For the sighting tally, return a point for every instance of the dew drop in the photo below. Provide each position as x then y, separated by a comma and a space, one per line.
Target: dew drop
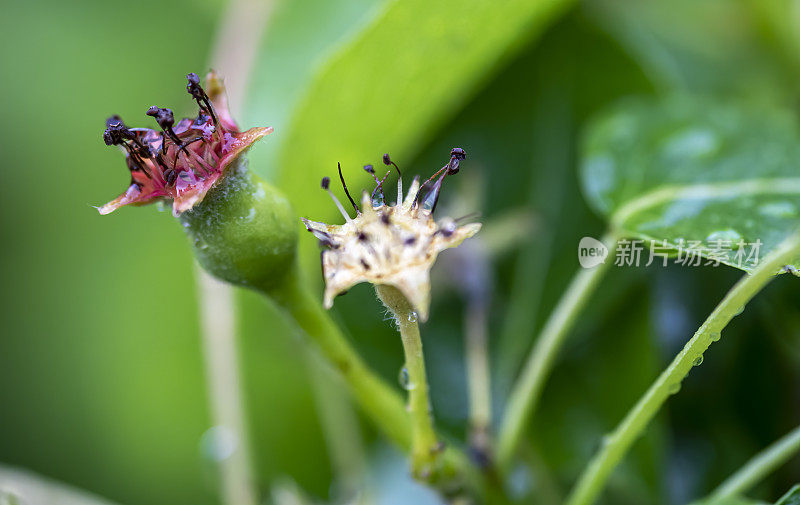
698, 360
403, 379
250, 215
412, 317
723, 235
674, 388
200, 244
778, 209
715, 336
218, 443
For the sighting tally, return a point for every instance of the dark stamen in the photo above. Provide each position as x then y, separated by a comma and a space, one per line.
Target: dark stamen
346, 192
135, 161
388, 161
117, 133
432, 197
183, 147
166, 120
198, 93
326, 183
378, 185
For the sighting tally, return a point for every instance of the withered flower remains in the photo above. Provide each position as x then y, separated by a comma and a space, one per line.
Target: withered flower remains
394, 245
183, 160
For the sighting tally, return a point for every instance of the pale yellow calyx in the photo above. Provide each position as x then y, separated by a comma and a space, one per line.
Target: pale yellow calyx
394, 245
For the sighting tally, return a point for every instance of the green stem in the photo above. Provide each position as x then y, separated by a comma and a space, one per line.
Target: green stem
340, 426
478, 376
617, 443
760, 466
525, 394
225, 397
425, 447
382, 404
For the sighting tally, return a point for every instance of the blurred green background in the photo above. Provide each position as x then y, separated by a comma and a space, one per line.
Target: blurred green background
101, 369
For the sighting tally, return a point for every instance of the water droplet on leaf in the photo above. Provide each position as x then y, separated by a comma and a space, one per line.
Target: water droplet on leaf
403, 379
250, 216
778, 209
674, 388
218, 443
722, 235
698, 360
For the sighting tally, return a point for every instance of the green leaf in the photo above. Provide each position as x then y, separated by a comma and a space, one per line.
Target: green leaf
692, 172
791, 498
18, 487
684, 44
395, 82
729, 500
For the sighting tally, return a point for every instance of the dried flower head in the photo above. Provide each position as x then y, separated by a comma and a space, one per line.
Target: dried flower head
393, 245
182, 160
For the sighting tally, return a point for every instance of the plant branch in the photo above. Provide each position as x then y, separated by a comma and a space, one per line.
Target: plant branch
218, 331
382, 404
760, 466
340, 425
527, 391
478, 377
617, 443
425, 447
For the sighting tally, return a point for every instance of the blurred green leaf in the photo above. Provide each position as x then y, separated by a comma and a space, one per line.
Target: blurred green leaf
398, 80
730, 500
24, 488
300, 37
714, 45
689, 169
791, 498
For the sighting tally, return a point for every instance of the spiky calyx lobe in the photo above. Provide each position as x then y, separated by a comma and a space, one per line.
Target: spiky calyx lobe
243, 231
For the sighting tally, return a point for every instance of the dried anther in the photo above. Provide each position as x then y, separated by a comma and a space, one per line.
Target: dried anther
393, 245
183, 160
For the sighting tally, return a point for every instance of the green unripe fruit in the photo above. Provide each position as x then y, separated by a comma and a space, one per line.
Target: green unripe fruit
243, 231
